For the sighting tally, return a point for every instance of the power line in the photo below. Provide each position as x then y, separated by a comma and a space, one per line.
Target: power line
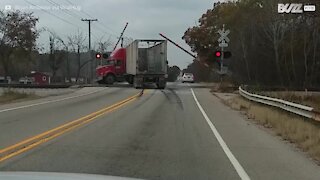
104, 32
68, 22
82, 11
74, 15
64, 10
77, 16
102, 25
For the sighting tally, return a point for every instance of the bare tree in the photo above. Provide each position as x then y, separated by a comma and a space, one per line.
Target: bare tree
76, 44
103, 45
275, 28
56, 56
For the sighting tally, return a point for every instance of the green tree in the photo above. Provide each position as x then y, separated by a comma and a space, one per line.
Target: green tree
18, 36
173, 73
268, 48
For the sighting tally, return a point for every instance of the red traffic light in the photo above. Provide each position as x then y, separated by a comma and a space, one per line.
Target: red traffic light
226, 54
218, 53
98, 56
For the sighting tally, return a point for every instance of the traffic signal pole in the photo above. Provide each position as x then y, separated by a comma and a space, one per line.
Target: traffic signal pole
222, 54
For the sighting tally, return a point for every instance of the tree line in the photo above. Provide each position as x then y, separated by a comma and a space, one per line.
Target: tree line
268, 48
66, 57
20, 53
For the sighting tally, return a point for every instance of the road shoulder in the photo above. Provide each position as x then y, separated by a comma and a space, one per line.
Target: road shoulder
262, 155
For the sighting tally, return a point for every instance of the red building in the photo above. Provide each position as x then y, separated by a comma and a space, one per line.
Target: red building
39, 77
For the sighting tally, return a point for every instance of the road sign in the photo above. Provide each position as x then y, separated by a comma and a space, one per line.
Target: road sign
223, 35
223, 44
223, 39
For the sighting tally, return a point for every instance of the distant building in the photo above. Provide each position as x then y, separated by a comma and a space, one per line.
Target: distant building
39, 77
4, 80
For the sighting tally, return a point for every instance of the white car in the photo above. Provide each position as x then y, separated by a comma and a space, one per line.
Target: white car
187, 77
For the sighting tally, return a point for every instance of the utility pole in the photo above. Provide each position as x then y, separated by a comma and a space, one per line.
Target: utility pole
91, 59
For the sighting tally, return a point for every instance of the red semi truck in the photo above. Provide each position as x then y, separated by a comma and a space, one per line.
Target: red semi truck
141, 62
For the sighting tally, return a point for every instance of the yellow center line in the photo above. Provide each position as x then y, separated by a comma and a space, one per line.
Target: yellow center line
34, 141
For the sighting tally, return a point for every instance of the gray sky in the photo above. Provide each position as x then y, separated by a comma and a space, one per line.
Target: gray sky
146, 19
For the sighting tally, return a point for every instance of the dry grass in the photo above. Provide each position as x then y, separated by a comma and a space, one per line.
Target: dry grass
303, 132
311, 99
225, 87
9, 96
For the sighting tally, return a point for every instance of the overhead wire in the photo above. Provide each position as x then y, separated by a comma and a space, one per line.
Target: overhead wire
77, 16
99, 24
64, 20
72, 14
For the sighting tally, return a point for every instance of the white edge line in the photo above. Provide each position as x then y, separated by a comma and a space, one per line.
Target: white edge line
47, 102
241, 172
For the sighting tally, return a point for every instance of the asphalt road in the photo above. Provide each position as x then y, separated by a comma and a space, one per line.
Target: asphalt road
182, 132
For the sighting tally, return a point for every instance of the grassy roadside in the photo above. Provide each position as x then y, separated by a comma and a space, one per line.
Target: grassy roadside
303, 132
9, 96
311, 99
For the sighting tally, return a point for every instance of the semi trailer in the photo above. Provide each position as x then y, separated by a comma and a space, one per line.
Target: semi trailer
141, 62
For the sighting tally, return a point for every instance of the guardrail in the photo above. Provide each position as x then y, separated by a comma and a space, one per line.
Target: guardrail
302, 110
49, 86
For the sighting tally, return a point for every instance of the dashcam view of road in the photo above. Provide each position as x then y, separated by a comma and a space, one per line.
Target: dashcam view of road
159, 89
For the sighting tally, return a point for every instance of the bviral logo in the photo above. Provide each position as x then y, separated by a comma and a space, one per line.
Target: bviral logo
290, 8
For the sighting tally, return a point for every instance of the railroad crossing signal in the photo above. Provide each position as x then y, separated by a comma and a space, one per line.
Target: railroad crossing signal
223, 42
105, 55
98, 56
217, 54
223, 35
226, 54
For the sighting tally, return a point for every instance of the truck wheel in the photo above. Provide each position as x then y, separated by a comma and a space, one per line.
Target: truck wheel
109, 79
130, 80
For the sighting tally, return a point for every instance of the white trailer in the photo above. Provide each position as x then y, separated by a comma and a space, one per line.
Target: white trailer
146, 62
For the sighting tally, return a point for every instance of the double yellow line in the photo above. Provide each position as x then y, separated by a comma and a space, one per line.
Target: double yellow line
34, 141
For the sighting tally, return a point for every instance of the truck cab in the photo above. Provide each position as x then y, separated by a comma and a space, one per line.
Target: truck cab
141, 62
112, 69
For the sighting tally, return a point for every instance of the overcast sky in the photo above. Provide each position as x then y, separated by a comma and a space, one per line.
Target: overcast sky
146, 19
